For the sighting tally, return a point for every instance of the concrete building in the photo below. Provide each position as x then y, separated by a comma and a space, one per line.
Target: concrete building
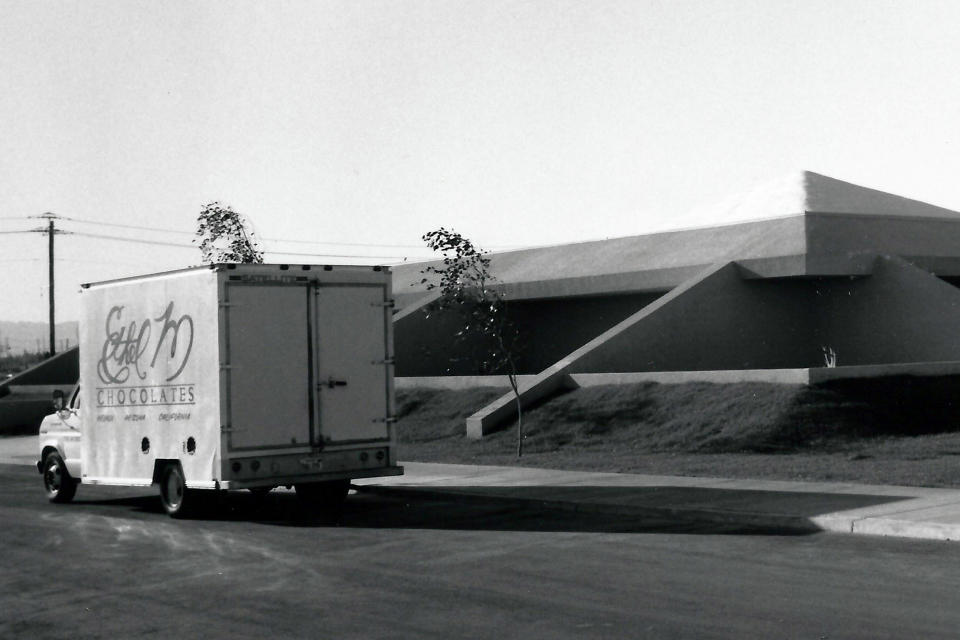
28, 396
824, 264
821, 265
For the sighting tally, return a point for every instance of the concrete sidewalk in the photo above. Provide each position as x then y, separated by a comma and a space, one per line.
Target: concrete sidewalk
910, 512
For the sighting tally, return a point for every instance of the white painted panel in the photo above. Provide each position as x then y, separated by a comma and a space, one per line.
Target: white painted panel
269, 366
351, 348
148, 370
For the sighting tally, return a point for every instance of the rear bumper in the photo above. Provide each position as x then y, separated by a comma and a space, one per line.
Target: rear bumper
280, 481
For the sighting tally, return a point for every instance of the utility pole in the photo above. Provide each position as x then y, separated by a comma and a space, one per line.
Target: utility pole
51, 231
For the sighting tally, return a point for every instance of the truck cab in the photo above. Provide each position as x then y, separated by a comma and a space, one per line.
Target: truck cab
59, 444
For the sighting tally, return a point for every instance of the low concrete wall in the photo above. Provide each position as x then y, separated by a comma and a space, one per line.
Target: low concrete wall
925, 369
779, 376
454, 382
729, 376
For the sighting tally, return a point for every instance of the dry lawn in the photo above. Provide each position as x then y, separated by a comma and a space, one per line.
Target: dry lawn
891, 431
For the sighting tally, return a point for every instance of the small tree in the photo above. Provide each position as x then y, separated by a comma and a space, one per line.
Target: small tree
225, 236
467, 287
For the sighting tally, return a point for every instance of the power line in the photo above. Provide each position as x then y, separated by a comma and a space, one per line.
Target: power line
349, 244
333, 255
190, 246
193, 246
264, 238
109, 262
286, 240
138, 240
291, 241
127, 226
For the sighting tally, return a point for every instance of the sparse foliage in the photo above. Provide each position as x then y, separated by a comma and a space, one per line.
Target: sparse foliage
829, 357
467, 287
225, 236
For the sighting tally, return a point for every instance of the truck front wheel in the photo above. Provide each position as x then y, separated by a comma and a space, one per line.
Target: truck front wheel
57, 482
177, 500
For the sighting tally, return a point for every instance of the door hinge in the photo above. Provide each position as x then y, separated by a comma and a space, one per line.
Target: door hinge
384, 361
389, 304
388, 419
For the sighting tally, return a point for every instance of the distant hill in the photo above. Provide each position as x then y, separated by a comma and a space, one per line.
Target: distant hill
31, 337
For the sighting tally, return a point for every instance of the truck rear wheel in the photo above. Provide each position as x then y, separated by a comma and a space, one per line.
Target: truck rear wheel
327, 495
57, 481
176, 498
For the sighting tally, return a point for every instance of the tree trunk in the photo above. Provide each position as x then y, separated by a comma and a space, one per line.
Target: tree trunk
516, 394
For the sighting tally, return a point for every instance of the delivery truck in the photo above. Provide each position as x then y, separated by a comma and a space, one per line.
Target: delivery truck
229, 376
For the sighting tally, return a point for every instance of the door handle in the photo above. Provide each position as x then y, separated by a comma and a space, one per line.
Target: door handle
335, 383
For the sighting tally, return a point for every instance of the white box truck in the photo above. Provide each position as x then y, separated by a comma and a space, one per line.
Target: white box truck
230, 376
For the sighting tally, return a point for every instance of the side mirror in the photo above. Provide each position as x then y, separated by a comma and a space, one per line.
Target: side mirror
58, 400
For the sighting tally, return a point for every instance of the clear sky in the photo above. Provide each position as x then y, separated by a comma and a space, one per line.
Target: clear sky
363, 124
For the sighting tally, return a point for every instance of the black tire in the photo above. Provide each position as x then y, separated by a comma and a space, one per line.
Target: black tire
326, 496
58, 484
177, 500
260, 495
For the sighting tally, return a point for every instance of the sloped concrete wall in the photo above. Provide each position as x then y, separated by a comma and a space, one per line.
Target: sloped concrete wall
898, 314
721, 322
550, 329
718, 320
61, 369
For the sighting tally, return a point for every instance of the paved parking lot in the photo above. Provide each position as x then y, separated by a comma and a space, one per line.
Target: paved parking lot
113, 565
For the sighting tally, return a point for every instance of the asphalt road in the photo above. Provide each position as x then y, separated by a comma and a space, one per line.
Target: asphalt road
113, 565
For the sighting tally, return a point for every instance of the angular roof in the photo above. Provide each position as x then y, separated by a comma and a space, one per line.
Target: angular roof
803, 224
805, 192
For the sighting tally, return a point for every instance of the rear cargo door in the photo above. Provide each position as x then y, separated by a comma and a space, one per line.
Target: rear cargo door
351, 343
269, 366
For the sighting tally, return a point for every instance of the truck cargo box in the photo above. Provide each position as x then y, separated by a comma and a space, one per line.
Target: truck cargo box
246, 376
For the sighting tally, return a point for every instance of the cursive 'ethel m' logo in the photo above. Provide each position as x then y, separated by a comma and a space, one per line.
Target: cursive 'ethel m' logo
128, 346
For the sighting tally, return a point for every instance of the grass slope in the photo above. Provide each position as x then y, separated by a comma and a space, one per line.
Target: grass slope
865, 431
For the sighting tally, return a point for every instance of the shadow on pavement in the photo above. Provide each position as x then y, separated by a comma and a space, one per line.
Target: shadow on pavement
793, 503
534, 508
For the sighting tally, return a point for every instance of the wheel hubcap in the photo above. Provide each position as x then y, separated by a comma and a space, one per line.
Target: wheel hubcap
53, 477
